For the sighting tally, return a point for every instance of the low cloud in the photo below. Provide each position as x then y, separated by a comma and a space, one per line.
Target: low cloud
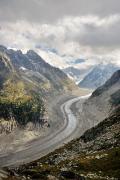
91, 37
48, 11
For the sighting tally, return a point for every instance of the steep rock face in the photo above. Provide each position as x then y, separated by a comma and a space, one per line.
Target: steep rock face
103, 100
113, 81
33, 69
6, 68
98, 76
54, 76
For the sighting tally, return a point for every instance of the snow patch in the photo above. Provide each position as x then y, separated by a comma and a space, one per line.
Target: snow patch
23, 68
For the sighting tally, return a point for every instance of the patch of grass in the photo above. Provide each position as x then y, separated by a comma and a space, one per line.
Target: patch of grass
109, 165
16, 103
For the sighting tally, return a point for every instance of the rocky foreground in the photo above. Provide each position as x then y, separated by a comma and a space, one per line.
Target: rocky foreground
95, 155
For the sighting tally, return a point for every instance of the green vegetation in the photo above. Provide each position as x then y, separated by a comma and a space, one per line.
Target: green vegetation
14, 102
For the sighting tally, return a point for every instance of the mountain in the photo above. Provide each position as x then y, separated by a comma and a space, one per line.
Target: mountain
98, 76
52, 56
35, 71
102, 102
95, 154
114, 81
26, 82
19, 104
55, 58
76, 74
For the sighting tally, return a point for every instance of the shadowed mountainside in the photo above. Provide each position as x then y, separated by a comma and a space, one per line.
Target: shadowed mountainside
103, 100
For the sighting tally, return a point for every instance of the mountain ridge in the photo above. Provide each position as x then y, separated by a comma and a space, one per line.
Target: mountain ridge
26, 80
98, 75
30, 63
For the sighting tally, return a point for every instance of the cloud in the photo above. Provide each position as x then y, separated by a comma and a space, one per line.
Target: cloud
48, 11
74, 28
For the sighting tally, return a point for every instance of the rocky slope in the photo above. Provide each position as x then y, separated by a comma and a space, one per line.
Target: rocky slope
19, 105
102, 101
98, 76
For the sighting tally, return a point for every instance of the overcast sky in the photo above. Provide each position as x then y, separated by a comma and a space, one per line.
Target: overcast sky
72, 28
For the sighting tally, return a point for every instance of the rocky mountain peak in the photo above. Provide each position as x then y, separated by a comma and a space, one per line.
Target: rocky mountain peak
33, 55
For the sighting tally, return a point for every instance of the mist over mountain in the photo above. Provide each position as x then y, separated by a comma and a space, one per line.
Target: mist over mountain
76, 74
34, 70
98, 75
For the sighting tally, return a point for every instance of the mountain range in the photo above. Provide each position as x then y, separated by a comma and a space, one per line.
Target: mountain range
98, 75
35, 71
26, 83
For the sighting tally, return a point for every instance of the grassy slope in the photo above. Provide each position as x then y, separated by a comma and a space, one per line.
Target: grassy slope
17, 100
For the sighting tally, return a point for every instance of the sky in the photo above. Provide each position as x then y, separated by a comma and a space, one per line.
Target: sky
62, 31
